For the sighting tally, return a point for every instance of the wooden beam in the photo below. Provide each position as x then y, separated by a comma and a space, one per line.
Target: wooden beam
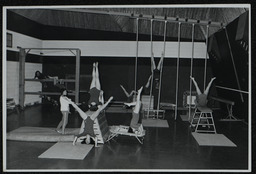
22, 57
47, 93
50, 80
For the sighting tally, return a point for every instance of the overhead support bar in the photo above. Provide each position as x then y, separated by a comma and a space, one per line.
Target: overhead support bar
146, 17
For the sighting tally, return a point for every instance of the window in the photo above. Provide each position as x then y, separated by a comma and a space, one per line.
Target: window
9, 40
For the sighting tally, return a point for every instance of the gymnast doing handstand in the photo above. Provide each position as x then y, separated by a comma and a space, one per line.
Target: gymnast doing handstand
88, 117
96, 94
135, 126
201, 98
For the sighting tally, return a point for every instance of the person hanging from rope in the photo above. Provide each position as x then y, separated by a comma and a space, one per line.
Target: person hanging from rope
156, 77
201, 98
96, 94
134, 125
88, 117
130, 96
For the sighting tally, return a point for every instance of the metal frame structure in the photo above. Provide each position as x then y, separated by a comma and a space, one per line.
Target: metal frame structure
22, 59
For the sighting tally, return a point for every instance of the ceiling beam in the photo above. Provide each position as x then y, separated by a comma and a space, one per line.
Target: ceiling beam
145, 17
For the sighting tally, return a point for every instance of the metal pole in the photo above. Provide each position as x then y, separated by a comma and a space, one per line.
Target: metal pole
137, 51
161, 71
177, 74
206, 55
78, 53
234, 66
152, 74
191, 71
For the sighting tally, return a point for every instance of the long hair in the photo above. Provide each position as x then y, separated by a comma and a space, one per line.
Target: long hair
62, 90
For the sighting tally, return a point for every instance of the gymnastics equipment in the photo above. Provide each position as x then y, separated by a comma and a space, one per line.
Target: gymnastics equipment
161, 70
137, 52
22, 59
206, 55
151, 113
188, 103
191, 73
233, 63
152, 77
229, 105
100, 128
177, 73
203, 121
123, 130
148, 17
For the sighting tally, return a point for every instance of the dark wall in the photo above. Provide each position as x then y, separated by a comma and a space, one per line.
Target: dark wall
222, 64
116, 71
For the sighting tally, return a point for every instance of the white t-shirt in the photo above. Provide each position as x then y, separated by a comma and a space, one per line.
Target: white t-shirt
64, 104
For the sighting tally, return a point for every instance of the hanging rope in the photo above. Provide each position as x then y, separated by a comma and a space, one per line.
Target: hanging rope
161, 70
136, 59
206, 55
152, 74
191, 71
177, 73
234, 66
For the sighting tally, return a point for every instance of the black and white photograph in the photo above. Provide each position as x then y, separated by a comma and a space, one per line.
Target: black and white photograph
127, 88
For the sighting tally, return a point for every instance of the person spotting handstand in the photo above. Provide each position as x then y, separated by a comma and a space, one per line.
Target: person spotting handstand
201, 98
64, 108
136, 127
88, 117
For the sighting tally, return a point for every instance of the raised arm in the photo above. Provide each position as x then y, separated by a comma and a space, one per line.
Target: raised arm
80, 111
96, 113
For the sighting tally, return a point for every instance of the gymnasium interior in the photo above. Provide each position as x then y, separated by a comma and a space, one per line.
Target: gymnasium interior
64, 43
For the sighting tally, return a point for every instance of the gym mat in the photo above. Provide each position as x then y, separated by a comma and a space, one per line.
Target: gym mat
44, 134
155, 123
212, 140
66, 150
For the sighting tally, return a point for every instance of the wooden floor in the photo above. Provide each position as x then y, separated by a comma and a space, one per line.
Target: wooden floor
167, 149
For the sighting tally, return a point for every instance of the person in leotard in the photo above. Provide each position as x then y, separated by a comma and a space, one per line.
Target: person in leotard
156, 78
88, 117
96, 94
135, 126
201, 98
